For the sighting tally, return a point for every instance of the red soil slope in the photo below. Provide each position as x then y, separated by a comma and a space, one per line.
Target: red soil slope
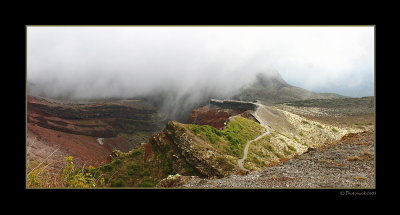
88, 132
216, 117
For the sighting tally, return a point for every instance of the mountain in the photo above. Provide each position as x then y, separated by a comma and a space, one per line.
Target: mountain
270, 88
135, 143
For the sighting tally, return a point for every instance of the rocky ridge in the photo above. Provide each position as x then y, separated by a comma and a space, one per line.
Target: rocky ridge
348, 163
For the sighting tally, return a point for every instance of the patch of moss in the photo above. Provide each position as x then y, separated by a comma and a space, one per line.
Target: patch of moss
117, 183
137, 152
147, 184
291, 148
110, 166
287, 152
279, 155
305, 122
270, 148
167, 167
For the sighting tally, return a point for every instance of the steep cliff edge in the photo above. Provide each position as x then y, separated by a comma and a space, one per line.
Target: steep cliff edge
184, 149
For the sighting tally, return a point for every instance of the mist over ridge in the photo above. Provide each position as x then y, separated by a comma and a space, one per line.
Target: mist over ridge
188, 65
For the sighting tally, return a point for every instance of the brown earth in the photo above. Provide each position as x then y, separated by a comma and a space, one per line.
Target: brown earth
215, 117
85, 149
87, 131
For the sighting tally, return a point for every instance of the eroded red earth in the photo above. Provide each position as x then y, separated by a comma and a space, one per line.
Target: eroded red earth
88, 132
216, 117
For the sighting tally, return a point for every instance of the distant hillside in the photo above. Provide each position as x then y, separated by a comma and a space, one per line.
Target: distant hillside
271, 88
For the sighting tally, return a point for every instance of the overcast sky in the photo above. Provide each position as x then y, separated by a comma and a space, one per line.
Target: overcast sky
109, 61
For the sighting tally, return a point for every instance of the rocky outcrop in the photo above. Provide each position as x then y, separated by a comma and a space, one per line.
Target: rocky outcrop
198, 154
174, 180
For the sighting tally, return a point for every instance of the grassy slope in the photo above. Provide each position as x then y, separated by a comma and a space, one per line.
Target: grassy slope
233, 138
131, 170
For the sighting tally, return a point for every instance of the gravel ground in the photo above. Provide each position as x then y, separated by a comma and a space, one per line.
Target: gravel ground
350, 163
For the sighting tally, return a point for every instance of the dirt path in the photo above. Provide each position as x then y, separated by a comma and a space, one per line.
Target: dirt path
348, 164
246, 148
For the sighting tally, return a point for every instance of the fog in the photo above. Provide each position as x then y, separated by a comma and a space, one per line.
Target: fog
196, 62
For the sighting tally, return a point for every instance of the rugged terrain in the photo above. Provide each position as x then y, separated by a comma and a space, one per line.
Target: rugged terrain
276, 136
348, 163
88, 131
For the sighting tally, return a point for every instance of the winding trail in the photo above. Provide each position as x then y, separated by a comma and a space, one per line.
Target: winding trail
246, 148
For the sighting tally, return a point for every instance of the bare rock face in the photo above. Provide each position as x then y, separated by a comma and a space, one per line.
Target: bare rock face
198, 154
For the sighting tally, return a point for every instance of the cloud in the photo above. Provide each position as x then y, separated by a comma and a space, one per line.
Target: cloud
131, 61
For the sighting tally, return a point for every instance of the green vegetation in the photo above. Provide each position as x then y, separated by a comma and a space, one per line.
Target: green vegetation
305, 122
111, 166
239, 131
291, 148
335, 130
77, 178
279, 155
147, 184
71, 177
131, 170
167, 166
270, 148
236, 134
190, 170
257, 161
211, 133
137, 153
117, 183
301, 133
319, 126
287, 152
